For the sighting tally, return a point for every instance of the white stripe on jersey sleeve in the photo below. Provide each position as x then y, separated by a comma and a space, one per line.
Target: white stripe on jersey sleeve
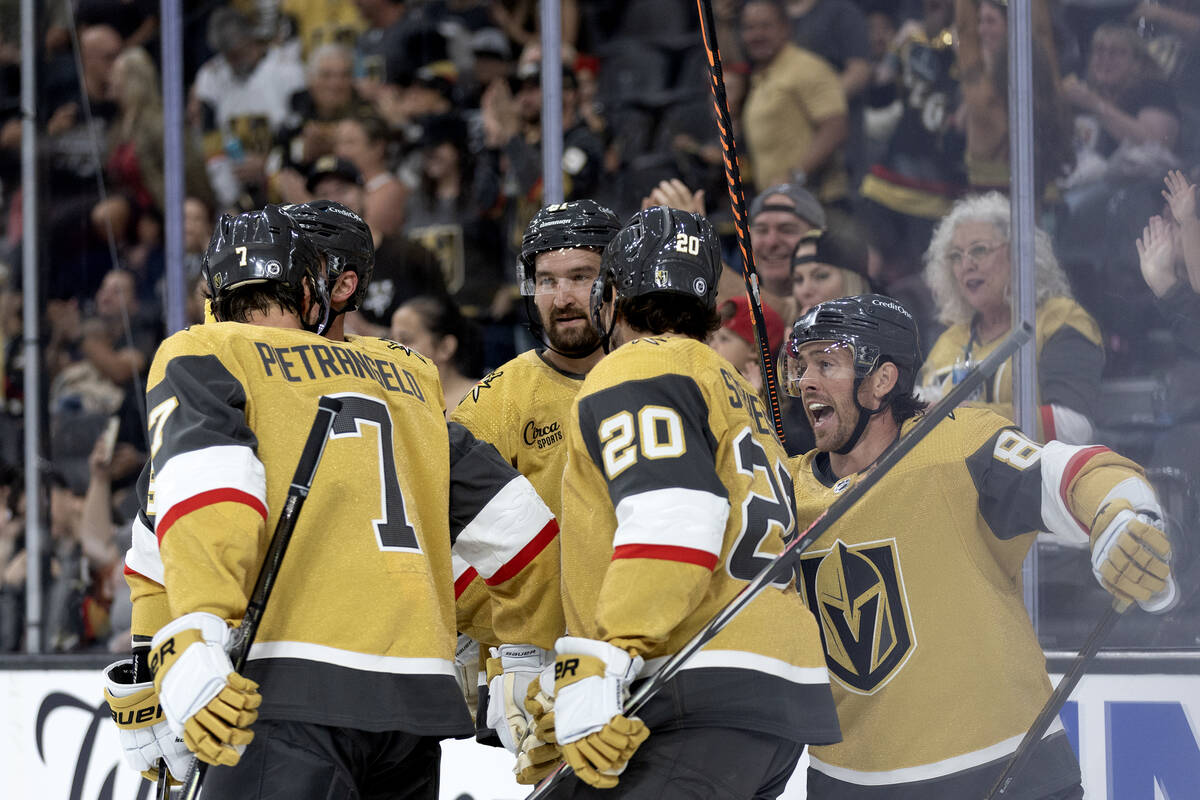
364, 662
458, 565
500, 531
1056, 515
143, 556
673, 517
222, 467
740, 659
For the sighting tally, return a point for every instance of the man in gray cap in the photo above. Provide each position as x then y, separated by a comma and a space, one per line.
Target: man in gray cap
779, 217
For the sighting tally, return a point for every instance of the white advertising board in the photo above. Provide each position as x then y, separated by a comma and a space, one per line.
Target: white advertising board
1138, 737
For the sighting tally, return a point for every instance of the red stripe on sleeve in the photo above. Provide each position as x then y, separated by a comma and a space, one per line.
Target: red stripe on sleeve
198, 501
1048, 430
1072, 469
666, 552
528, 553
464, 581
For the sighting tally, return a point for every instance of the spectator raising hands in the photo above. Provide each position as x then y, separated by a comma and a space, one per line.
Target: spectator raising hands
1180, 194
1158, 251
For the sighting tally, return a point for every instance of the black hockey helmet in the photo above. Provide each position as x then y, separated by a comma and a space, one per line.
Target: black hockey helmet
564, 226
344, 239
660, 250
579, 224
876, 328
260, 247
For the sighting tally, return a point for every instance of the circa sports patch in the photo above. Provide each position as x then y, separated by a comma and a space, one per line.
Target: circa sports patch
857, 594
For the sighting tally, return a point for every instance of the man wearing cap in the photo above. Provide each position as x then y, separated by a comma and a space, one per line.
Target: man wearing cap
779, 217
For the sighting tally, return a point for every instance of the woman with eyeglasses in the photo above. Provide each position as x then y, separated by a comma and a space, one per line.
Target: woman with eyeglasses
968, 269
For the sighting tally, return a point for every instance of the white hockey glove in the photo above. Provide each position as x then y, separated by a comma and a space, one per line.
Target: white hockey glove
466, 670
204, 700
1131, 556
144, 733
511, 669
539, 752
591, 684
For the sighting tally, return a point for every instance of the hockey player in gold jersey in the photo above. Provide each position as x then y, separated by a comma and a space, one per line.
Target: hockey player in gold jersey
936, 669
355, 655
676, 491
522, 408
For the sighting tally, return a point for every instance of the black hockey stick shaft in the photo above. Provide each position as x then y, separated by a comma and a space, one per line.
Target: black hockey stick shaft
737, 201
783, 564
1070, 679
306, 470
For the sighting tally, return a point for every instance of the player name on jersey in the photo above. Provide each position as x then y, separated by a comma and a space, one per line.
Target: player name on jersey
303, 361
738, 397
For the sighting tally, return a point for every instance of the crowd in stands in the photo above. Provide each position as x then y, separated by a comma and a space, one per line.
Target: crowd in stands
874, 151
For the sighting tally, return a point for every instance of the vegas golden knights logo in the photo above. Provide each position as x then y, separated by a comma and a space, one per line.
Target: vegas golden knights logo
857, 595
446, 242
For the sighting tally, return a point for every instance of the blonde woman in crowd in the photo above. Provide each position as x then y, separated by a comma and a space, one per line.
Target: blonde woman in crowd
967, 267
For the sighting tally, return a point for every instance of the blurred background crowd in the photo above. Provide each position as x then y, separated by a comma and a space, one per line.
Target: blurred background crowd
874, 140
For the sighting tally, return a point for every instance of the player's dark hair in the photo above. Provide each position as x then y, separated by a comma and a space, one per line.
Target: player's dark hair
261, 298
668, 312
905, 406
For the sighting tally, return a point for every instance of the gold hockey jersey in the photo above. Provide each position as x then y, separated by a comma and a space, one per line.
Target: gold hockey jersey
936, 669
676, 493
359, 631
522, 408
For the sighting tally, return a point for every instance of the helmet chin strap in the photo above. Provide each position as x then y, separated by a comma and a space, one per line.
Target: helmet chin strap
326, 316
864, 417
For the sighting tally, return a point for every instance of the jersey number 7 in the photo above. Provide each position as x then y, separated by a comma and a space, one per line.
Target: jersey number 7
393, 530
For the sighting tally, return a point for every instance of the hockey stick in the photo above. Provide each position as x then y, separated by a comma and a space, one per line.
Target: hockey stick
737, 201
310, 458
142, 674
783, 564
1024, 751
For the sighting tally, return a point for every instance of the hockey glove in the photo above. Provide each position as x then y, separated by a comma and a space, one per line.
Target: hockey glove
591, 680
1131, 556
539, 752
144, 733
511, 669
466, 670
204, 700
539, 702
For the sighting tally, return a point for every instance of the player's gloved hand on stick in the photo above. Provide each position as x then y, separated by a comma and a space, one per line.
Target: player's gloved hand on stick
539, 753
1131, 556
143, 730
511, 669
204, 700
591, 684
